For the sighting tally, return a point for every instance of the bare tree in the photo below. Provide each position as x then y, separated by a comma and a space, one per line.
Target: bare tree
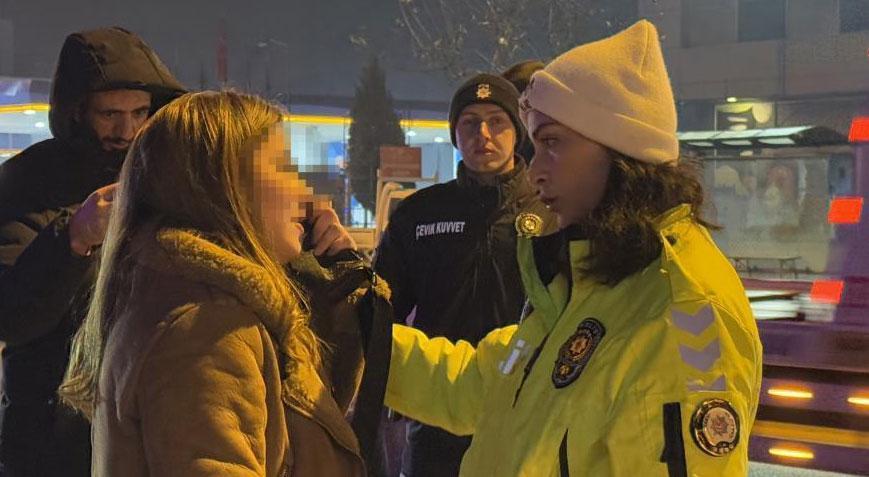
459, 37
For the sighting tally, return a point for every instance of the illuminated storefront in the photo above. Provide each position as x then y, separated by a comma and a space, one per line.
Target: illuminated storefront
20, 126
319, 144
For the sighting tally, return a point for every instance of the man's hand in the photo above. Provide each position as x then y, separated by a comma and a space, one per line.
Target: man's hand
88, 225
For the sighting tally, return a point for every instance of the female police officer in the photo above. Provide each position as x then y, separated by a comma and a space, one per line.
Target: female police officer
638, 353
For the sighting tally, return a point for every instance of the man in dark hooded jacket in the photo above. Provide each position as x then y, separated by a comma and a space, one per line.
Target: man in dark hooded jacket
107, 83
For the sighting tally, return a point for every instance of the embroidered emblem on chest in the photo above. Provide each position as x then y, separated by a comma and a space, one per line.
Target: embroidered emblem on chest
439, 228
576, 351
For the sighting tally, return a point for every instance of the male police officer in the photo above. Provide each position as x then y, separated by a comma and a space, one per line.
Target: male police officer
449, 252
107, 83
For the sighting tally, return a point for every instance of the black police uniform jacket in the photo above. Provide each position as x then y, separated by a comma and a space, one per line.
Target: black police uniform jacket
44, 287
450, 252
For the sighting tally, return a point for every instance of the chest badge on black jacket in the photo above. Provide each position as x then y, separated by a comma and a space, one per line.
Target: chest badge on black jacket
576, 351
528, 225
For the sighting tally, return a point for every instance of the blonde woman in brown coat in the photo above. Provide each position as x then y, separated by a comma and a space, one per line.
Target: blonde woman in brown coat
196, 357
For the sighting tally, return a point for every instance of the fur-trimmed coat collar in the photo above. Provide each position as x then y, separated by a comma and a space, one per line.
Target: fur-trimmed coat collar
191, 255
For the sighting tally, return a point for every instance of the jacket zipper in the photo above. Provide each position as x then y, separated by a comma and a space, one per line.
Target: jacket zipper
528, 368
562, 457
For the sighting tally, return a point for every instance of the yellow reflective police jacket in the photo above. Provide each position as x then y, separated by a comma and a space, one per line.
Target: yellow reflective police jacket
657, 376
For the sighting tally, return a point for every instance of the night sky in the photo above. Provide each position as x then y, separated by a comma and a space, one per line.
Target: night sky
307, 41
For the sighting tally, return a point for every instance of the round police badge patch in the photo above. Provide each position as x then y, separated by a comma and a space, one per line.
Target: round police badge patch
576, 351
715, 427
528, 225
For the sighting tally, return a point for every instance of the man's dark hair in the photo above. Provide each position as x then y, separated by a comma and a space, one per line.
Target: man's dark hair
621, 229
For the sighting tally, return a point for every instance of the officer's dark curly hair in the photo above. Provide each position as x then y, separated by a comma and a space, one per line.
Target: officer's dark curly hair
621, 229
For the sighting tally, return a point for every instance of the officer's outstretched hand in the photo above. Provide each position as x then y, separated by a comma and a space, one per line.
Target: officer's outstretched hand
328, 235
88, 225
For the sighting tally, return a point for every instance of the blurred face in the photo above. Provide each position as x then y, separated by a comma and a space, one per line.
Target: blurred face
116, 116
486, 138
281, 195
569, 170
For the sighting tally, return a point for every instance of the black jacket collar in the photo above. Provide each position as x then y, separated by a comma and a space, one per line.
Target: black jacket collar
513, 184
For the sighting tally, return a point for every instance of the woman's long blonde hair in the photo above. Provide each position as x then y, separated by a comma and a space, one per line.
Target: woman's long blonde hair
189, 167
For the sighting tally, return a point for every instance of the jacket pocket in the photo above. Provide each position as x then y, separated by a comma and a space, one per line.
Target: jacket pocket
674, 445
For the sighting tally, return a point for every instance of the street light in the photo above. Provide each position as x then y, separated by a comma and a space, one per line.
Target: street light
265, 45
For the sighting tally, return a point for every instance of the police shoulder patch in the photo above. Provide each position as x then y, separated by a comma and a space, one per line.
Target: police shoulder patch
574, 354
715, 427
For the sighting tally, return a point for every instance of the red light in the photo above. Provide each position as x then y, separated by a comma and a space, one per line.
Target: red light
827, 291
845, 210
859, 130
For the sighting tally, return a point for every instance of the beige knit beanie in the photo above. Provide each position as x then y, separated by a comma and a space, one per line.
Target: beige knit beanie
615, 91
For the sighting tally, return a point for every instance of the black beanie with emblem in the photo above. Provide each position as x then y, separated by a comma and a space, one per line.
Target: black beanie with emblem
520, 73
486, 88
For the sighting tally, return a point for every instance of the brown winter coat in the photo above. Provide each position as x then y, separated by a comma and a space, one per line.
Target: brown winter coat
191, 382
